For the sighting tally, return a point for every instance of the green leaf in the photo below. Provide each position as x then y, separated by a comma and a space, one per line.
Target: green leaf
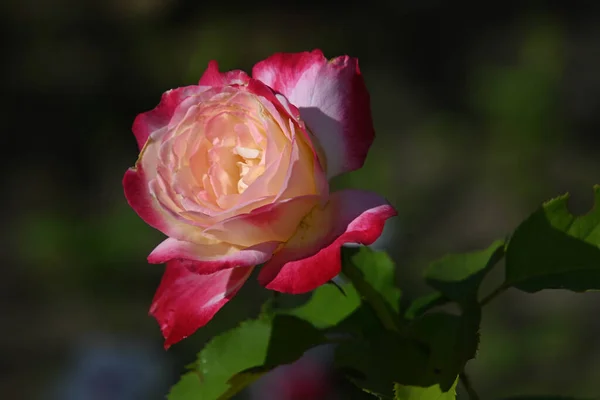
379, 271
235, 359
224, 356
458, 276
290, 338
363, 323
433, 392
375, 363
187, 388
372, 274
452, 340
422, 304
328, 305
433, 351
242, 380
553, 249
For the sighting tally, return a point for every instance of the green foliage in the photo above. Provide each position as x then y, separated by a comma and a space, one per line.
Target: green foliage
458, 276
429, 351
422, 304
375, 362
553, 249
231, 361
224, 356
418, 354
378, 271
433, 392
452, 341
340, 303
372, 274
189, 387
290, 338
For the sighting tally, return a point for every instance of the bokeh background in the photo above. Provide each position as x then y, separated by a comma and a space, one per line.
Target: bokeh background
482, 111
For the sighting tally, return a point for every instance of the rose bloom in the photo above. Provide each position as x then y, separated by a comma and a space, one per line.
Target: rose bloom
235, 172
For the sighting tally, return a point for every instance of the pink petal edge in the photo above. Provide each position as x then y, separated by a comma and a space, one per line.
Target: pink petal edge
302, 266
139, 198
211, 258
148, 122
151, 121
212, 76
186, 301
333, 102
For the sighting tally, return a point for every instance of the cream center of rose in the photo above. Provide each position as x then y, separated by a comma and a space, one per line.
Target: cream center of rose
230, 154
250, 162
210, 158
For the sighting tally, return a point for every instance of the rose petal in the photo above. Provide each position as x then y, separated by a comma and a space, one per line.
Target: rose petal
149, 122
212, 76
139, 198
210, 258
281, 110
148, 208
332, 99
185, 300
312, 256
286, 116
304, 174
273, 222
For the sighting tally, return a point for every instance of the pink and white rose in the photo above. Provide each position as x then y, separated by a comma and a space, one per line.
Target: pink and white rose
235, 172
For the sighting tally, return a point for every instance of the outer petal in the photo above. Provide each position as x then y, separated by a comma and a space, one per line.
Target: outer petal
312, 256
139, 198
151, 121
273, 222
283, 106
332, 99
212, 76
210, 258
135, 185
185, 300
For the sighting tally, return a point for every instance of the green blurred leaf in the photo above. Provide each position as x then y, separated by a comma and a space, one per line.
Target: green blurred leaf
421, 305
233, 360
328, 305
424, 393
458, 276
372, 274
553, 249
50, 234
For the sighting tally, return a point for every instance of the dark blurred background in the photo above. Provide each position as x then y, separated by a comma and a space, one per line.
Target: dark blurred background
482, 112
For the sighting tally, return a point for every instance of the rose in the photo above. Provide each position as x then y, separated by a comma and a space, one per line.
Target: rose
235, 172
